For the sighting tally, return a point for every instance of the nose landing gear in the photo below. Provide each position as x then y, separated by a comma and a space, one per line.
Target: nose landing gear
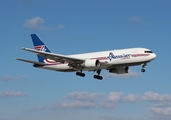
142, 70
143, 67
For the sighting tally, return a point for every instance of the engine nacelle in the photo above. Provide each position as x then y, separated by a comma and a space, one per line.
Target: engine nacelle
91, 63
119, 70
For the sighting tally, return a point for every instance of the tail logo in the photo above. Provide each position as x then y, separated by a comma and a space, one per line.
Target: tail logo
40, 48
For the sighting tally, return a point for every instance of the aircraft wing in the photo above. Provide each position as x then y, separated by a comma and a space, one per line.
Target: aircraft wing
30, 61
56, 57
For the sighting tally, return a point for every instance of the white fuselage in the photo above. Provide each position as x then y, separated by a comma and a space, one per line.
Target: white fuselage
108, 59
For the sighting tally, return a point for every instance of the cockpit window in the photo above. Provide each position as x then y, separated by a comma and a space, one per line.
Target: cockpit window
148, 52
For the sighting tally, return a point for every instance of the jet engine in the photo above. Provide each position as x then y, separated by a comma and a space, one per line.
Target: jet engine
119, 70
91, 63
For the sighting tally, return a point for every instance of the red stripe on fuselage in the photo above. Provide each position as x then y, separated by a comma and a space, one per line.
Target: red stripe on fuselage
100, 58
139, 55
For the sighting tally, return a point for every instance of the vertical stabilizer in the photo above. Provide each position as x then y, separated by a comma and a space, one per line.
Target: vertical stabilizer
39, 45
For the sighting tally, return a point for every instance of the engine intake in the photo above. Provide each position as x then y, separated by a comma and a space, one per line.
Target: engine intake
119, 70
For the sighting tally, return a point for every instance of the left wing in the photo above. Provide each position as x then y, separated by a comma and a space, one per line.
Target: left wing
56, 57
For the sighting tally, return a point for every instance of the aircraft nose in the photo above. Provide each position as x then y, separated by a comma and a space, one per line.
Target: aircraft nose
154, 56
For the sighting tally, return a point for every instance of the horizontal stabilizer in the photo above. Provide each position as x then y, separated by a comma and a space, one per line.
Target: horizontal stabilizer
30, 61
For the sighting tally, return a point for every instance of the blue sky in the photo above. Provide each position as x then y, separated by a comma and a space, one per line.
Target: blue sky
79, 26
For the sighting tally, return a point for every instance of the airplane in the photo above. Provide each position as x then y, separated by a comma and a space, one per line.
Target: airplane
115, 61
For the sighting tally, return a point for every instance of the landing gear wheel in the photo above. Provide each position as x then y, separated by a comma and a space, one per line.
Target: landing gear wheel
142, 70
98, 77
83, 74
80, 74
95, 76
143, 66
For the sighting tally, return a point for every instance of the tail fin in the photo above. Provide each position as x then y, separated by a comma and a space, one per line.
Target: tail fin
39, 45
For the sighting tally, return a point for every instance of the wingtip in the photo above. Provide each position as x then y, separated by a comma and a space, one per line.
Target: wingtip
23, 48
16, 58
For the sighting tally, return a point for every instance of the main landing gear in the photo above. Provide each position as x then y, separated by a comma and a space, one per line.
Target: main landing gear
143, 66
80, 74
95, 76
98, 75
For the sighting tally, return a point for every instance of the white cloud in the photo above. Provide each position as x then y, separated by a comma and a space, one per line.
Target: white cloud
81, 100
6, 94
36, 23
130, 74
136, 19
112, 99
130, 98
162, 103
60, 26
162, 111
12, 78
77, 104
85, 96
156, 97
114, 96
150, 96
140, 20
85, 100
